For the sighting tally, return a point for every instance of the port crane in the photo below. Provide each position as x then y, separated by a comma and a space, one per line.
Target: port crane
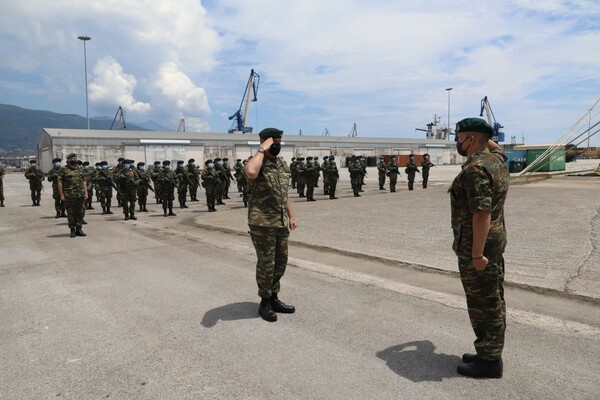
239, 118
491, 119
121, 119
181, 126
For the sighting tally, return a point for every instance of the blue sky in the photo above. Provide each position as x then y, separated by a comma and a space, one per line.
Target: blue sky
382, 65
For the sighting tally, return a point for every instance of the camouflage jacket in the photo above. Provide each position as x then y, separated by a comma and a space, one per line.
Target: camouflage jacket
269, 195
209, 177
104, 179
393, 170
482, 185
382, 167
53, 177
425, 165
332, 171
2, 172
167, 179
411, 168
193, 173
72, 179
34, 174
127, 179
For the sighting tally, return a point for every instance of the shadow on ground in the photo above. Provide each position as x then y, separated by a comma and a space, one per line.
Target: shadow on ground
230, 312
418, 362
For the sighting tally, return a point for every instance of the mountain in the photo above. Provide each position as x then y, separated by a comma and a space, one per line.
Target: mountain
153, 126
20, 128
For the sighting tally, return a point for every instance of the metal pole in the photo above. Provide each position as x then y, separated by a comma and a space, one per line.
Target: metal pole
589, 126
448, 90
87, 114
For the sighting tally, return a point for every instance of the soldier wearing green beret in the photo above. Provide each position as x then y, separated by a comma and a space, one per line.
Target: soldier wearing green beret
73, 191
270, 219
477, 201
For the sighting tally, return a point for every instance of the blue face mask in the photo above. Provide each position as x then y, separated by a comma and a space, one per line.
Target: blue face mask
167, 167
98, 168
210, 165
105, 167
141, 168
86, 168
127, 166
57, 164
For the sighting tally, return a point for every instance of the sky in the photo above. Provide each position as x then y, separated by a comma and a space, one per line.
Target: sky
384, 65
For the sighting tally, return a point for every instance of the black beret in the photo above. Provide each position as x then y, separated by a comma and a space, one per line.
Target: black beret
191, 160
120, 159
141, 163
208, 162
32, 161
309, 158
217, 159
325, 157
166, 162
79, 162
293, 158
331, 158
301, 159
56, 160
180, 162
97, 164
103, 163
270, 133
238, 160
426, 155
226, 159
156, 162
130, 161
86, 163
411, 155
478, 125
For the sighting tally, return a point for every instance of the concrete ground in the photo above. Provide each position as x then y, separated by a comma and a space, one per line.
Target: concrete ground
165, 308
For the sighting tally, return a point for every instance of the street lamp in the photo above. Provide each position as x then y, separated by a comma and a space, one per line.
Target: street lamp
87, 115
448, 90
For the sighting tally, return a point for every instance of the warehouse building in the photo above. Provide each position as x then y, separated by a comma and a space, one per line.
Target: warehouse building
150, 146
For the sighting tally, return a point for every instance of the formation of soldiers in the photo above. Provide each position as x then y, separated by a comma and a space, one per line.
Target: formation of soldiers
305, 174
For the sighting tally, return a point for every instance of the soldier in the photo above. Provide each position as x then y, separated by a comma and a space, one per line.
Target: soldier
411, 169
294, 172
270, 219
363, 171
239, 174
2, 174
105, 187
393, 173
127, 180
228, 177
477, 201
245, 193
98, 168
182, 184
310, 175
73, 191
221, 178
115, 171
154, 176
332, 177
168, 183
355, 170
325, 175
59, 206
142, 188
317, 167
89, 179
35, 177
383, 171
193, 174
210, 181
301, 179
425, 166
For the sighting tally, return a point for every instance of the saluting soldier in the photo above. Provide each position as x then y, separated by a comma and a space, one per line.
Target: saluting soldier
477, 201
210, 182
393, 173
411, 169
35, 177
382, 169
59, 205
270, 219
426, 165
168, 182
73, 191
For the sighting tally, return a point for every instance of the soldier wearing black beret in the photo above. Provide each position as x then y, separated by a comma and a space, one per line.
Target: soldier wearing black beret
210, 181
270, 219
167, 182
52, 175
477, 198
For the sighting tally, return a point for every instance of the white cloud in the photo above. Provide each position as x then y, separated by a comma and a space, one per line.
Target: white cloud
112, 87
177, 88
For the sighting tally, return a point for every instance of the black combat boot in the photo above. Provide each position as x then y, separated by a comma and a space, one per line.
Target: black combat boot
132, 216
145, 209
57, 214
79, 232
381, 188
108, 210
332, 197
126, 217
469, 357
2, 203
63, 214
265, 310
72, 232
165, 211
171, 213
481, 368
103, 210
83, 222
280, 307
184, 206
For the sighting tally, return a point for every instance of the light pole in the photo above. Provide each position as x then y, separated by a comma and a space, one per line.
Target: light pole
87, 115
448, 90
589, 126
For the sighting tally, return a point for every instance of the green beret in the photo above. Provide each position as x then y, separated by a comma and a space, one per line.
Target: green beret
478, 125
71, 155
270, 133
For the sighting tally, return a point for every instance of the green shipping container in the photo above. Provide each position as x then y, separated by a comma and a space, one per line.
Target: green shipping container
556, 162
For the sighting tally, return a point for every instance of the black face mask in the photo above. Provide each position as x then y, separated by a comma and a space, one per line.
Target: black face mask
275, 149
459, 149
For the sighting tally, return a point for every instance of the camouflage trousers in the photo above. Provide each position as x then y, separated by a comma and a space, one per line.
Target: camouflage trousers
381, 178
271, 245
182, 192
1, 190
486, 306
75, 207
128, 199
425, 175
210, 196
331, 186
393, 181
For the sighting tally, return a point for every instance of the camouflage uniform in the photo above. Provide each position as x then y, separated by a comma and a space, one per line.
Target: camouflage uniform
222, 181
310, 175
228, 178
411, 169
72, 179
168, 182
35, 177
268, 220
59, 205
105, 187
393, 172
425, 167
382, 169
317, 168
325, 175
193, 174
2, 174
238, 174
90, 178
142, 189
182, 184
355, 170
294, 172
157, 188
127, 180
300, 171
210, 181
482, 185
332, 177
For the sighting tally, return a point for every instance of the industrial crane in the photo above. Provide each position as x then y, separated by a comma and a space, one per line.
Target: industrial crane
239, 117
181, 126
491, 119
121, 123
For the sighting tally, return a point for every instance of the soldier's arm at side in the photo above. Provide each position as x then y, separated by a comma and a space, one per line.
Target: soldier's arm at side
292, 224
